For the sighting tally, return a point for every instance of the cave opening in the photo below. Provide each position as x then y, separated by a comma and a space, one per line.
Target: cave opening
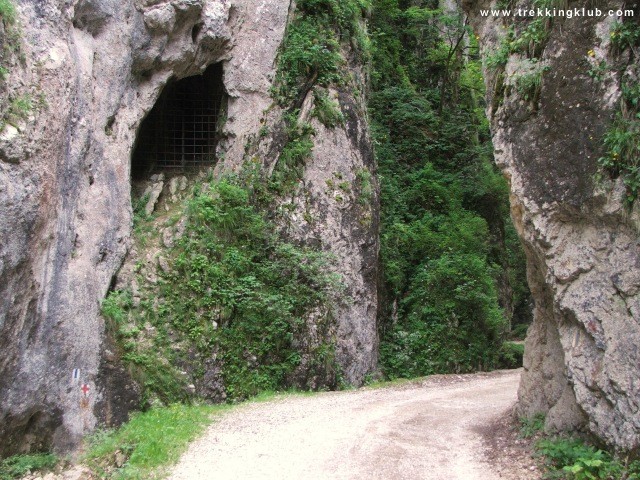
180, 132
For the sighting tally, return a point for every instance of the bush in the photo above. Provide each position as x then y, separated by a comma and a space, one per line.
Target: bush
453, 321
7, 12
572, 459
511, 355
20, 465
530, 426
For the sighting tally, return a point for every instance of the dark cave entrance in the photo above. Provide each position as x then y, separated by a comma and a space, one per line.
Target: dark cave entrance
180, 132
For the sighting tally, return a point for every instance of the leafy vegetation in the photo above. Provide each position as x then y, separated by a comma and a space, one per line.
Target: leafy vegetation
235, 295
446, 239
622, 140
570, 458
320, 38
290, 166
311, 50
11, 38
511, 355
573, 459
326, 110
20, 465
532, 426
7, 12
149, 441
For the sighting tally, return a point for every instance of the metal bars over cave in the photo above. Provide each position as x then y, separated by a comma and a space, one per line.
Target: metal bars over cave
180, 131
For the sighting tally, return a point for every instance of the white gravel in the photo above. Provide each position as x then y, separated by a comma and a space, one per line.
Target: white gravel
427, 430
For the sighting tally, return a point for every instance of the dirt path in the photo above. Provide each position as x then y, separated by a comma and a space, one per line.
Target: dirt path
426, 430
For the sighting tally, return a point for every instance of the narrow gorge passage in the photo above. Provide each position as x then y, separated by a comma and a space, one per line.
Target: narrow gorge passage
420, 430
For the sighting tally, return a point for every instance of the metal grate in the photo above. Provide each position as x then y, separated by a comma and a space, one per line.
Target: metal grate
180, 130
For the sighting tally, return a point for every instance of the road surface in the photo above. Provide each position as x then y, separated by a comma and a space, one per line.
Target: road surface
429, 430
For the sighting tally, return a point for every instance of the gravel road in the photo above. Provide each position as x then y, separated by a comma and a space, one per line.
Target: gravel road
427, 430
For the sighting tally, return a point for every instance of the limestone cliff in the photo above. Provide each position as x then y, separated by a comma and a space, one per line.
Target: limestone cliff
551, 98
82, 76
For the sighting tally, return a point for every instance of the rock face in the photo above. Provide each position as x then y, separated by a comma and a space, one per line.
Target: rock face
94, 69
581, 358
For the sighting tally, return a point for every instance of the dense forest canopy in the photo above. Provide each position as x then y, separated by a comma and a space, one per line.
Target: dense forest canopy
453, 270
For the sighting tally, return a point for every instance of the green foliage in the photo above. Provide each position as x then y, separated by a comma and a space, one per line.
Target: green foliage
237, 272
453, 320
625, 35
18, 110
7, 12
327, 110
622, 140
11, 34
311, 50
531, 40
441, 196
289, 168
526, 38
235, 292
622, 144
598, 70
511, 355
310, 55
519, 332
150, 368
149, 441
529, 83
363, 178
530, 426
20, 465
572, 459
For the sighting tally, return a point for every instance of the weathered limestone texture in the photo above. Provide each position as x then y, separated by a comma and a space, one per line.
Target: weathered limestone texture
94, 69
582, 358
336, 206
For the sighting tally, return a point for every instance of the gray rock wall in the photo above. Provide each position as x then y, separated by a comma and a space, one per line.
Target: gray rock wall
581, 353
96, 67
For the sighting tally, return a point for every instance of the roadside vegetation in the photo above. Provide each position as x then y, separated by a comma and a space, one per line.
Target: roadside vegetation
152, 441
574, 458
148, 442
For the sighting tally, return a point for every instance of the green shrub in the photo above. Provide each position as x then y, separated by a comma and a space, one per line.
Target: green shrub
148, 367
442, 199
20, 465
622, 159
8, 12
622, 139
452, 324
310, 55
511, 355
530, 426
233, 269
572, 459
363, 177
289, 168
326, 110
625, 34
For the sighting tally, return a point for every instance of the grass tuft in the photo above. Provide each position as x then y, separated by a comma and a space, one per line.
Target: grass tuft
20, 465
150, 441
